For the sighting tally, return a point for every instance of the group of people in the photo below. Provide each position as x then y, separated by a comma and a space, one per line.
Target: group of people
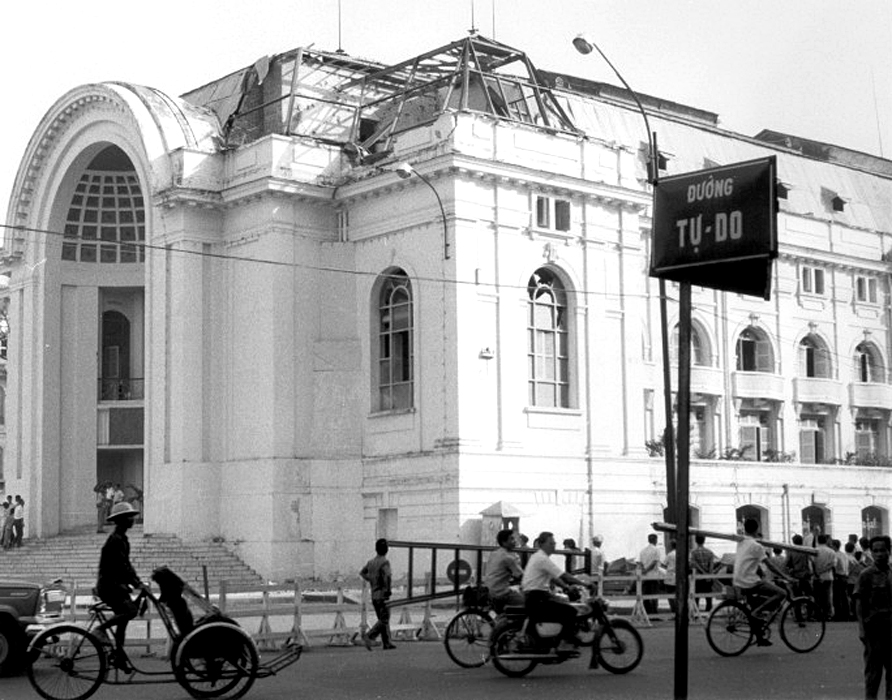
107, 495
12, 522
536, 580
756, 570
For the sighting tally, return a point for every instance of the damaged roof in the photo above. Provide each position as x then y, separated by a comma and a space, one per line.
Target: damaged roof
362, 104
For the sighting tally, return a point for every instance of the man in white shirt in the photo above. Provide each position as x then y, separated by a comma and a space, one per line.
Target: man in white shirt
597, 558
749, 557
649, 562
539, 576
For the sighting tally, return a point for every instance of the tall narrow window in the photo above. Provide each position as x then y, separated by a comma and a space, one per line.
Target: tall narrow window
812, 280
395, 343
755, 435
548, 342
811, 440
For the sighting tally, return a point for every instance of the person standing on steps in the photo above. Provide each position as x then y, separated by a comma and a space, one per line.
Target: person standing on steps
117, 578
377, 573
18, 521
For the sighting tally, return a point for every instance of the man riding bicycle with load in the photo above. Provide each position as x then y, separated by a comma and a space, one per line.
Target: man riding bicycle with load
749, 557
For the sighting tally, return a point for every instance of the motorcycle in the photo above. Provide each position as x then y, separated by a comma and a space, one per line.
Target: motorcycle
517, 645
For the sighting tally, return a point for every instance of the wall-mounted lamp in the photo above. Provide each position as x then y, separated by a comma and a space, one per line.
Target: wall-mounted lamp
404, 171
486, 354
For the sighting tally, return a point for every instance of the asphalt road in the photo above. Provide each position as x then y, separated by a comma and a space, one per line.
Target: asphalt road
421, 670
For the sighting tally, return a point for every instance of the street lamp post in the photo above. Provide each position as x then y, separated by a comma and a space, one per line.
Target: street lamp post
675, 481
404, 171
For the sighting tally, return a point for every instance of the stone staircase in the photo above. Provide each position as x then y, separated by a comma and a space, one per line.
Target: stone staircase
74, 557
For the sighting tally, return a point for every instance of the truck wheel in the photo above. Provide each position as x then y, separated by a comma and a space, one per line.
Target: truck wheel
10, 648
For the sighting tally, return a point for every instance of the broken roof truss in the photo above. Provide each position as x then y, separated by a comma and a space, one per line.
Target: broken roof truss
363, 105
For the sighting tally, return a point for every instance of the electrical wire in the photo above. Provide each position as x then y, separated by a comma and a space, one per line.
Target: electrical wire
795, 332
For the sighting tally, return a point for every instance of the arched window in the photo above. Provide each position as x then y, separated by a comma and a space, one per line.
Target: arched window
751, 512
814, 357
874, 521
394, 343
548, 341
106, 216
754, 351
815, 521
868, 364
701, 354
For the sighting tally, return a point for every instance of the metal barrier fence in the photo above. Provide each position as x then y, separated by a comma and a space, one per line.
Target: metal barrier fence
276, 613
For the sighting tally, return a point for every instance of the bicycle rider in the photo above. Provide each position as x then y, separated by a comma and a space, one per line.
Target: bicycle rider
116, 579
749, 557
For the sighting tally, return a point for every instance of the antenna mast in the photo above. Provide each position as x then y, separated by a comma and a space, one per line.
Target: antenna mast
473, 30
340, 47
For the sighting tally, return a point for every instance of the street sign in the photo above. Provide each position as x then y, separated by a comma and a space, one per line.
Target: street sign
717, 227
458, 572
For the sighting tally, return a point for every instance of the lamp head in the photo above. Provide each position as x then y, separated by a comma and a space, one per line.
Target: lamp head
582, 45
404, 171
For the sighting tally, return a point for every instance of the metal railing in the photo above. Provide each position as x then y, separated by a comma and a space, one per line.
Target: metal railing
120, 389
445, 572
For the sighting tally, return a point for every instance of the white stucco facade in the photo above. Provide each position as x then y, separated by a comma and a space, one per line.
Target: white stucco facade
254, 327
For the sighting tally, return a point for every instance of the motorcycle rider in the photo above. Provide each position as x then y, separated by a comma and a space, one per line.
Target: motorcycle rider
539, 577
503, 570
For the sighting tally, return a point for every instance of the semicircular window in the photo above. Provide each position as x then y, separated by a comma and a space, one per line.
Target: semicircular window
106, 220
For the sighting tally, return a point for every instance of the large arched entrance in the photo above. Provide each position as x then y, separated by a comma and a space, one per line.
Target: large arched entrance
101, 257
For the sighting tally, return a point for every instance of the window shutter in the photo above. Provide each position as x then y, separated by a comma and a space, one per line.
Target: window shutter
763, 356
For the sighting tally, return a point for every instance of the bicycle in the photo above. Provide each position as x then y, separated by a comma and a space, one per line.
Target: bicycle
732, 627
468, 633
211, 657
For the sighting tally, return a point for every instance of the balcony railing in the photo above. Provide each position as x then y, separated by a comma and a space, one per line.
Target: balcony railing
817, 390
121, 389
757, 385
870, 395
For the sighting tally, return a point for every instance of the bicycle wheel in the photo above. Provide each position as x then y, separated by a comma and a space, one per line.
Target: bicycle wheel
802, 625
66, 663
729, 629
467, 638
620, 647
216, 660
508, 641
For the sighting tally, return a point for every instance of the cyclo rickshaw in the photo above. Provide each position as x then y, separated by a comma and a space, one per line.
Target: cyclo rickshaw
211, 656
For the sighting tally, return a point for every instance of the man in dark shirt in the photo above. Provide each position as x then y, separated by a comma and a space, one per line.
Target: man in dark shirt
800, 567
502, 570
874, 609
377, 573
116, 579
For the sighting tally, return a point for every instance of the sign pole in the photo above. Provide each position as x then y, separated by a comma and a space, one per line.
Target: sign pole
683, 445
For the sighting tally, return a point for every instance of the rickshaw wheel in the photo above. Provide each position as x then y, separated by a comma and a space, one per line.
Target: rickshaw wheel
66, 663
216, 660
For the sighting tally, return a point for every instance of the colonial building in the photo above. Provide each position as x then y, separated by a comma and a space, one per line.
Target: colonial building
323, 299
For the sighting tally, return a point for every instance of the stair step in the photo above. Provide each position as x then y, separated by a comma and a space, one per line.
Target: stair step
75, 556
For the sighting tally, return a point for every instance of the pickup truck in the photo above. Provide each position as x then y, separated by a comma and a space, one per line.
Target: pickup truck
25, 609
